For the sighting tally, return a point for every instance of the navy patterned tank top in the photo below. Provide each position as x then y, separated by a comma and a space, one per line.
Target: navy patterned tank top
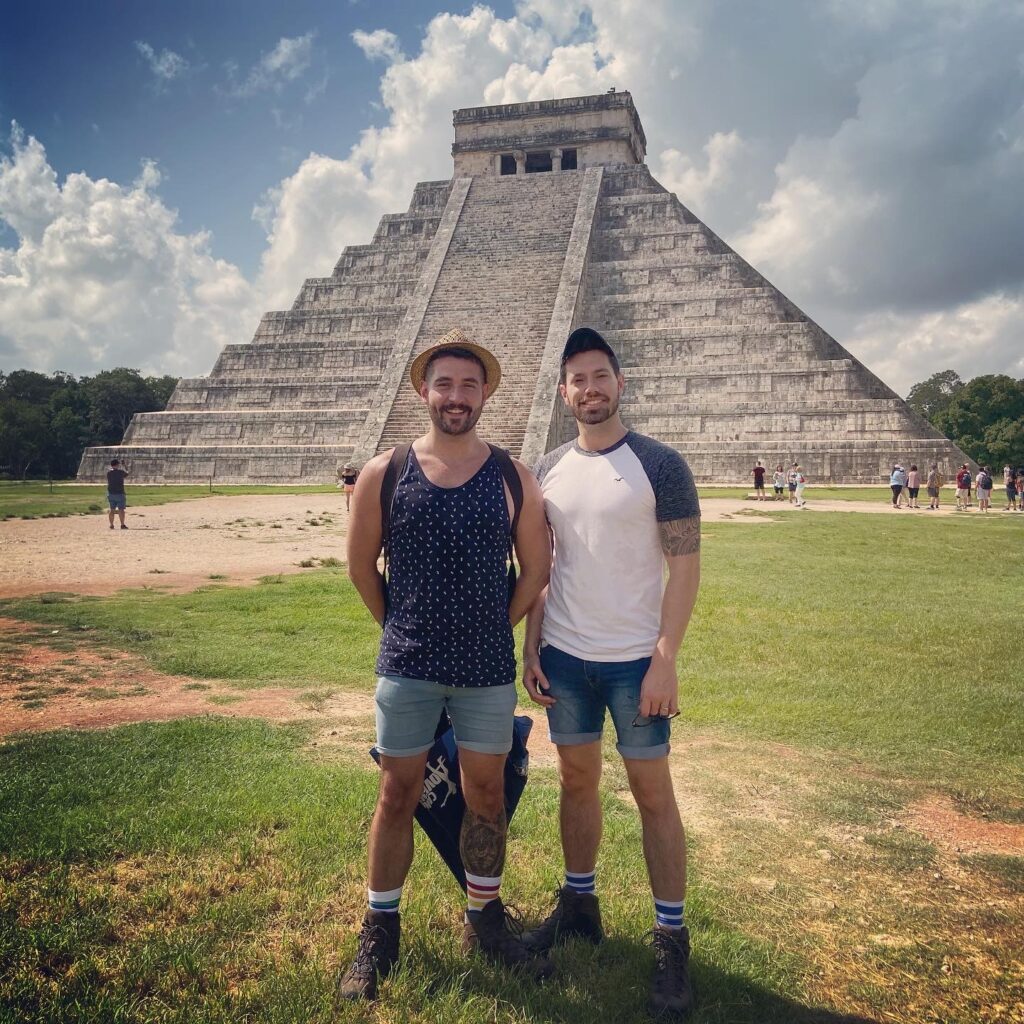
447, 618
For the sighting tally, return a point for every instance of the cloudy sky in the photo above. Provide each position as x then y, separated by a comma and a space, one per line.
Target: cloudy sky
169, 170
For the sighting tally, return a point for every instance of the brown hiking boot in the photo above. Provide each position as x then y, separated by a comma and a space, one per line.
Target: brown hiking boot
496, 933
577, 915
672, 991
375, 958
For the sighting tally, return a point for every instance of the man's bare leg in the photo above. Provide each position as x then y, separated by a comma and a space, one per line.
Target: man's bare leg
391, 846
484, 826
579, 769
664, 838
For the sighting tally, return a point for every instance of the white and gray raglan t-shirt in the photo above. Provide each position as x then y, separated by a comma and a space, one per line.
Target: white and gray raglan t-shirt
608, 574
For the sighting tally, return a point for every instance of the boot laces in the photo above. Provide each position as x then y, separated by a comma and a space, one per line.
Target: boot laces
373, 939
671, 949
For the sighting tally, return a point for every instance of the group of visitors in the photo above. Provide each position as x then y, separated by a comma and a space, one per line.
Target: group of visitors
794, 481
907, 483
983, 484
606, 531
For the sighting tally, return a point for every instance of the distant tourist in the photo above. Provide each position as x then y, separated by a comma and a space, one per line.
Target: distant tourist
896, 484
1010, 483
791, 483
348, 476
913, 487
778, 481
1020, 488
983, 483
758, 472
934, 485
963, 487
603, 639
116, 498
801, 484
447, 614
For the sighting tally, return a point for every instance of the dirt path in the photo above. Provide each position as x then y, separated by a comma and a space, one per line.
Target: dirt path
235, 539
178, 546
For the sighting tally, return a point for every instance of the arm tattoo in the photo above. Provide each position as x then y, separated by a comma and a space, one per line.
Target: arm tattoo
482, 843
680, 536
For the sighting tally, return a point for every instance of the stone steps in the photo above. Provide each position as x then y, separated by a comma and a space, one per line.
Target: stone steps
498, 283
220, 464
246, 427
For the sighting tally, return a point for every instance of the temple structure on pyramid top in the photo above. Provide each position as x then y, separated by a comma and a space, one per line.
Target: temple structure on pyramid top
551, 220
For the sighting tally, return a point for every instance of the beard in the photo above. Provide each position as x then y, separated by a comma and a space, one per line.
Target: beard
441, 418
594, 414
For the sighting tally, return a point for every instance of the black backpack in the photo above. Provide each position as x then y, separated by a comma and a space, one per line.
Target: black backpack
985, 483
387, 496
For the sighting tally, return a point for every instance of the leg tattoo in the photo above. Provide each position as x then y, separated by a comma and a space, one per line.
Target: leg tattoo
482, 843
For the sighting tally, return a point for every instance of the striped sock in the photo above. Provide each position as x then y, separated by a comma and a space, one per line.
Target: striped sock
581, 881
384, 902
480, 890
668, 913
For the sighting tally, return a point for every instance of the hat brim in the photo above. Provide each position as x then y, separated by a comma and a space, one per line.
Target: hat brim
417, 371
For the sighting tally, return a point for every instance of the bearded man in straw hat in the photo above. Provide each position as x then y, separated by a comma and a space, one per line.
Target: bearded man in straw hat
447, 616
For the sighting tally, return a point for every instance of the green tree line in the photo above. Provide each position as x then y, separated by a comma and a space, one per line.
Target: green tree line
47, 420
984, 416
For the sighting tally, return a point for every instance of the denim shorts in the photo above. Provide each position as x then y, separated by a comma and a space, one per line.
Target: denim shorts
584, 689
116, 501
408, 710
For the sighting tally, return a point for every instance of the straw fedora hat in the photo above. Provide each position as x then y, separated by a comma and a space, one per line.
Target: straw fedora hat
456, 339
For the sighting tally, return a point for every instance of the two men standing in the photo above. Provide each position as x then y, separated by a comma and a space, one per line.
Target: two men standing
603, 636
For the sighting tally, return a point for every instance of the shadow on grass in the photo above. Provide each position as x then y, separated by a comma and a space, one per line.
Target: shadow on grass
608, 985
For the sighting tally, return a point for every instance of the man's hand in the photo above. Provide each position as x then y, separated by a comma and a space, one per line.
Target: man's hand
659, 692
535, 681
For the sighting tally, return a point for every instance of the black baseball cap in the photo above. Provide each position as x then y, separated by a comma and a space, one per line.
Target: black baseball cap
586, 339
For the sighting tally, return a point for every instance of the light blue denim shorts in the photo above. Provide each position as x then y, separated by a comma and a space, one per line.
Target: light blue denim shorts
584, 690
408, 711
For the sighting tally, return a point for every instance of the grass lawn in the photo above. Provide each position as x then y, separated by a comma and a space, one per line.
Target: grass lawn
842, 632
838, 669
36, 499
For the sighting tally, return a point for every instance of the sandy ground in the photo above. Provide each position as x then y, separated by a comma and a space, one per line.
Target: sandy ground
181, 545
177, 546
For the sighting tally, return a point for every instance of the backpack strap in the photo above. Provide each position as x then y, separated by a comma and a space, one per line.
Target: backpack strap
387, 495
515, 487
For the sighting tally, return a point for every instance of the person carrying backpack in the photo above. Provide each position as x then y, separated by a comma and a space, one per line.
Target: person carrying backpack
984, 486
447, 608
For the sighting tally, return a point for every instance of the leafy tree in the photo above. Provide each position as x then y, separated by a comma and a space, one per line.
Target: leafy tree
47, 419
931, 396
24, 435
984, 416
114, 397
162, 388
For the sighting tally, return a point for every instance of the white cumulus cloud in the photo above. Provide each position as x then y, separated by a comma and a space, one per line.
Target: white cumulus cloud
101, 276
378, 45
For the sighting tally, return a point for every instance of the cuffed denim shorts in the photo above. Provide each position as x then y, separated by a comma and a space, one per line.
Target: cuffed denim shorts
116, 501
408, 710
583, 691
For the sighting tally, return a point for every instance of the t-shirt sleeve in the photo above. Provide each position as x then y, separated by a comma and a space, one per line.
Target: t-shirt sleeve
546, 463
675, 493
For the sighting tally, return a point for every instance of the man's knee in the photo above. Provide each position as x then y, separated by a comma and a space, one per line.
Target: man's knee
485, 797
579, 769
651, 785
398, 796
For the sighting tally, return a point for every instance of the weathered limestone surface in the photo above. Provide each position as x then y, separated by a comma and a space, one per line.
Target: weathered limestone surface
719, 364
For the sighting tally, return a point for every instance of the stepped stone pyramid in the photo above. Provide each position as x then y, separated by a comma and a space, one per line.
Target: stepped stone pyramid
551, 220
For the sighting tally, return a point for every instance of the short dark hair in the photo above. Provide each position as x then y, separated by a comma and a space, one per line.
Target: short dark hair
115, 462
586, 339
457, 352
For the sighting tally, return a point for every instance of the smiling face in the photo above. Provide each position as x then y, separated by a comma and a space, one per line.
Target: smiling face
592, 388
454, 393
